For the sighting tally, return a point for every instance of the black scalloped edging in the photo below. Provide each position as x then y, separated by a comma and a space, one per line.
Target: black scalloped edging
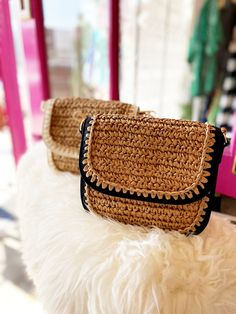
198, 229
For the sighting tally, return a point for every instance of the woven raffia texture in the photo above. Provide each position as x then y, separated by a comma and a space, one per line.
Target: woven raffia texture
183, 218
160, 158
61, 126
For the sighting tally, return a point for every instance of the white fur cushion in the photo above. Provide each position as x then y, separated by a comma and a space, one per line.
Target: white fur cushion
81, 263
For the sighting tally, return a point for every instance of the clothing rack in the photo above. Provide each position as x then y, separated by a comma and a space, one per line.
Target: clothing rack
212, 54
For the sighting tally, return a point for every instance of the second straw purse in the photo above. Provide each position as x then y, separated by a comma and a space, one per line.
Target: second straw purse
150, 172
62, 118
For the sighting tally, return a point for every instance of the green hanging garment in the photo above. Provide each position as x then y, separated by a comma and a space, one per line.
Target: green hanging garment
203, 48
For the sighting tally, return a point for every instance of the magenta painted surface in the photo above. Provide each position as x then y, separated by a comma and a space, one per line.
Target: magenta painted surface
34, 74
10, 83
114, 38
226, 182
37, 15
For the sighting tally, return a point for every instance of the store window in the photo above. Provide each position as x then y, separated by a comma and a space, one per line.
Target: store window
77, 47
154, 39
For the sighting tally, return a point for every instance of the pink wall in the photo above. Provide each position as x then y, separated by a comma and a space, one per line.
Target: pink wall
226, 182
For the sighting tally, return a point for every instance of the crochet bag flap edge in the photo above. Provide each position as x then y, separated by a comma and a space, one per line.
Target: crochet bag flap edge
150, 159
67, 118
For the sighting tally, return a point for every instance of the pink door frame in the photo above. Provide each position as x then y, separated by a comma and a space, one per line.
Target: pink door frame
36, 64
34, 75
37, 15
114, 40
10, 82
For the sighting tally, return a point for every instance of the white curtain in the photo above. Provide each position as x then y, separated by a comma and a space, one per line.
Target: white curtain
154, 43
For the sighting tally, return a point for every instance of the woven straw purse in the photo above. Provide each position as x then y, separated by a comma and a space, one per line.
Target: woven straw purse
62, 117
150, 172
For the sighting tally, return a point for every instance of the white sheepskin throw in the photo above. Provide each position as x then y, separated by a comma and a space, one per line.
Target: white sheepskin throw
81, 263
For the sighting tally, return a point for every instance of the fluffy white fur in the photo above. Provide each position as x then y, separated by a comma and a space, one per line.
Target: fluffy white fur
81, 263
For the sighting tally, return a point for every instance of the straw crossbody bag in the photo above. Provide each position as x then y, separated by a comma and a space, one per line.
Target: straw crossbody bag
150, 172
62, 117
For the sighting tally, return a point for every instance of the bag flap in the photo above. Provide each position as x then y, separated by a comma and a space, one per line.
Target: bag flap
144, 158
62, 118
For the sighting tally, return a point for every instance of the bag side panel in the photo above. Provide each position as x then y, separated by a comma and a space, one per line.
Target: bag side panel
65, 163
